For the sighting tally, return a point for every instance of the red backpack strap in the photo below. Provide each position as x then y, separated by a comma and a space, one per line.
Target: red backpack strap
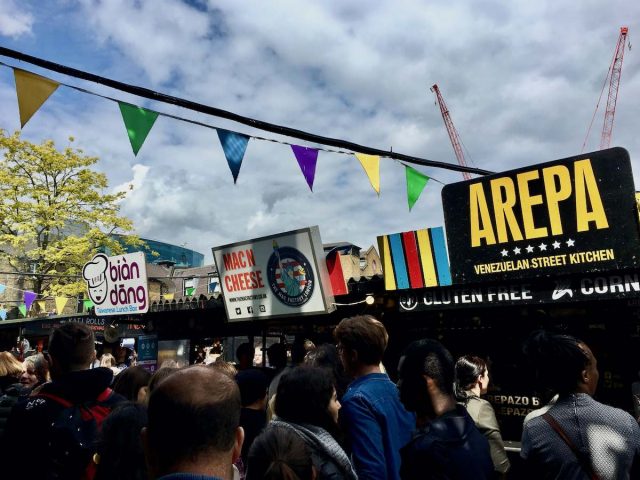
104, 395
65, 403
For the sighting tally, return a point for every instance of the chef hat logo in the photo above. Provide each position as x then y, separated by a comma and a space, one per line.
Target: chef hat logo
94, 272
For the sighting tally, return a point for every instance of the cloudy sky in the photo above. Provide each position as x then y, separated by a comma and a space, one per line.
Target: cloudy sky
521, 79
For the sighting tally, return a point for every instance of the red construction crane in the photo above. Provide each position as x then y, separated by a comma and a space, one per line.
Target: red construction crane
453, 133
614, 83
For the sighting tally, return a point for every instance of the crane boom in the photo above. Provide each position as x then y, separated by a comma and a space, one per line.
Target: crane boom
614, 84
451, 130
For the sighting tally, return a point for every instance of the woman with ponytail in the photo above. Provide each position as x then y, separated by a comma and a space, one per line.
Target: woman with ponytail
578, 437
471, 381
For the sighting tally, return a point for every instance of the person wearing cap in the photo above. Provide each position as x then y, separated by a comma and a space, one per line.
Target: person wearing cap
447, 444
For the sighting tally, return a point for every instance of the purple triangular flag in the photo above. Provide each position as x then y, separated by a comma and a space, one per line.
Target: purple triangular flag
307, 159
29, 297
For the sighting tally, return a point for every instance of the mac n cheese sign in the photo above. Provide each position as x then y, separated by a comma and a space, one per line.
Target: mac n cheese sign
573, 215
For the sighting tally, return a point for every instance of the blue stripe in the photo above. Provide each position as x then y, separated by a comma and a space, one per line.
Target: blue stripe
397, 254
440, 252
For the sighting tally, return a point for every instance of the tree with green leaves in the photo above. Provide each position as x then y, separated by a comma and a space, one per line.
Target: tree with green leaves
55, 214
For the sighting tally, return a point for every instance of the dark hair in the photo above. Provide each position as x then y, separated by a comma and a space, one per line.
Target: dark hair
130, 380
303, 396
253, 385
558, 360
159, 375
277, 355
72, 345
245, 350
424, 357
119, 446
279, 454
194, 412
365, 335
326, 356
467, 370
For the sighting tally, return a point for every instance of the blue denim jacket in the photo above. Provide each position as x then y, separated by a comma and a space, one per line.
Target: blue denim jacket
378, 426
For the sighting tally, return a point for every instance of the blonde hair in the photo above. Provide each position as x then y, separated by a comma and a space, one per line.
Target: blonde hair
10, 366
108, 360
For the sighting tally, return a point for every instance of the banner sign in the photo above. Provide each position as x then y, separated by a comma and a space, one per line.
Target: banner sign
414, 259
275, 276
117, 285
621, 285
567, 216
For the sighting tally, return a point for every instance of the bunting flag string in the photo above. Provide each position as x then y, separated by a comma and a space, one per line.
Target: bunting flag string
307, 159
32, 90
416, 182
371, 165
42, 305
61, 302
234, 146
29, 297
138, 122
23, 309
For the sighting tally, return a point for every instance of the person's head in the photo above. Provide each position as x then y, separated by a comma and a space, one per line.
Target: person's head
194, 418
132, 383
326, 356
253, 386
244, 354
307, 395
158, 376
225, 367
108, 360
10, 366
563, 363
278, 453
71, 348
471, 373
277, 355
425, 370
36, 370
361, 341
119, 449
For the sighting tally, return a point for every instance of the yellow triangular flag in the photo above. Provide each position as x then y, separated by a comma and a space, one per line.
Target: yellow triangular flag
169, 296
42, 305
61, 302
33, 90
371, 165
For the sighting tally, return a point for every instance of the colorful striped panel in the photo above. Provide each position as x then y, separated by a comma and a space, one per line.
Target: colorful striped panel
440, 253
428, 265
399, 264
414, 259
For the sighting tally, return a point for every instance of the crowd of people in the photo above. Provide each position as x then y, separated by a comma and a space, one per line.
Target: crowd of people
335, 414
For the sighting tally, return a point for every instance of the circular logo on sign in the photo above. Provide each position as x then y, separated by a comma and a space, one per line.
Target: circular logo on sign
409, 301
290, 276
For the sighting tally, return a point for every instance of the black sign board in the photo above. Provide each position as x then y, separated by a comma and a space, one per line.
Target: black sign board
567, 216
577, 288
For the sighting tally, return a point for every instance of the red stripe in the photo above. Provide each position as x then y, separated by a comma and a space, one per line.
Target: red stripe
413, 259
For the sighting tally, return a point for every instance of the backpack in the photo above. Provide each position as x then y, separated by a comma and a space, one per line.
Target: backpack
73, 433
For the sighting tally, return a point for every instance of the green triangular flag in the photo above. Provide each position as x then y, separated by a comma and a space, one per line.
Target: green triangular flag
416, 182
190, 291
23, 310
138, 122
88, 303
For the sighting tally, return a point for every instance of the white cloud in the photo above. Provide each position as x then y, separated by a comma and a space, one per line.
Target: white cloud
14, 20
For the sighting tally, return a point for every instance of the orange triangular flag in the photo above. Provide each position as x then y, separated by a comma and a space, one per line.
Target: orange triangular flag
371, 165
61, 302
32, 90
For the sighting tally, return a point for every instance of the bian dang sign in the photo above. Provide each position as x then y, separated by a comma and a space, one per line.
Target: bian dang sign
572, 215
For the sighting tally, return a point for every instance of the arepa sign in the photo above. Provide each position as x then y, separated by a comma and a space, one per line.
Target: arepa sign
117, 285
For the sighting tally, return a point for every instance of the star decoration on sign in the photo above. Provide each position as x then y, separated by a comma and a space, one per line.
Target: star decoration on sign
556, 245
504, 253
516, 251
570, 242
529, 249
543, 247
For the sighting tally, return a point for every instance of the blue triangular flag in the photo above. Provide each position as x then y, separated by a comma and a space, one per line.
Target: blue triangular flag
234, 145
2, 288
3, 313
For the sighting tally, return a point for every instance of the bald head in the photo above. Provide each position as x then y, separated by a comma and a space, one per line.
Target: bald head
193, 414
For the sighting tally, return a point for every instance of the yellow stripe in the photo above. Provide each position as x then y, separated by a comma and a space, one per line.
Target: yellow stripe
387, 264
426, 258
